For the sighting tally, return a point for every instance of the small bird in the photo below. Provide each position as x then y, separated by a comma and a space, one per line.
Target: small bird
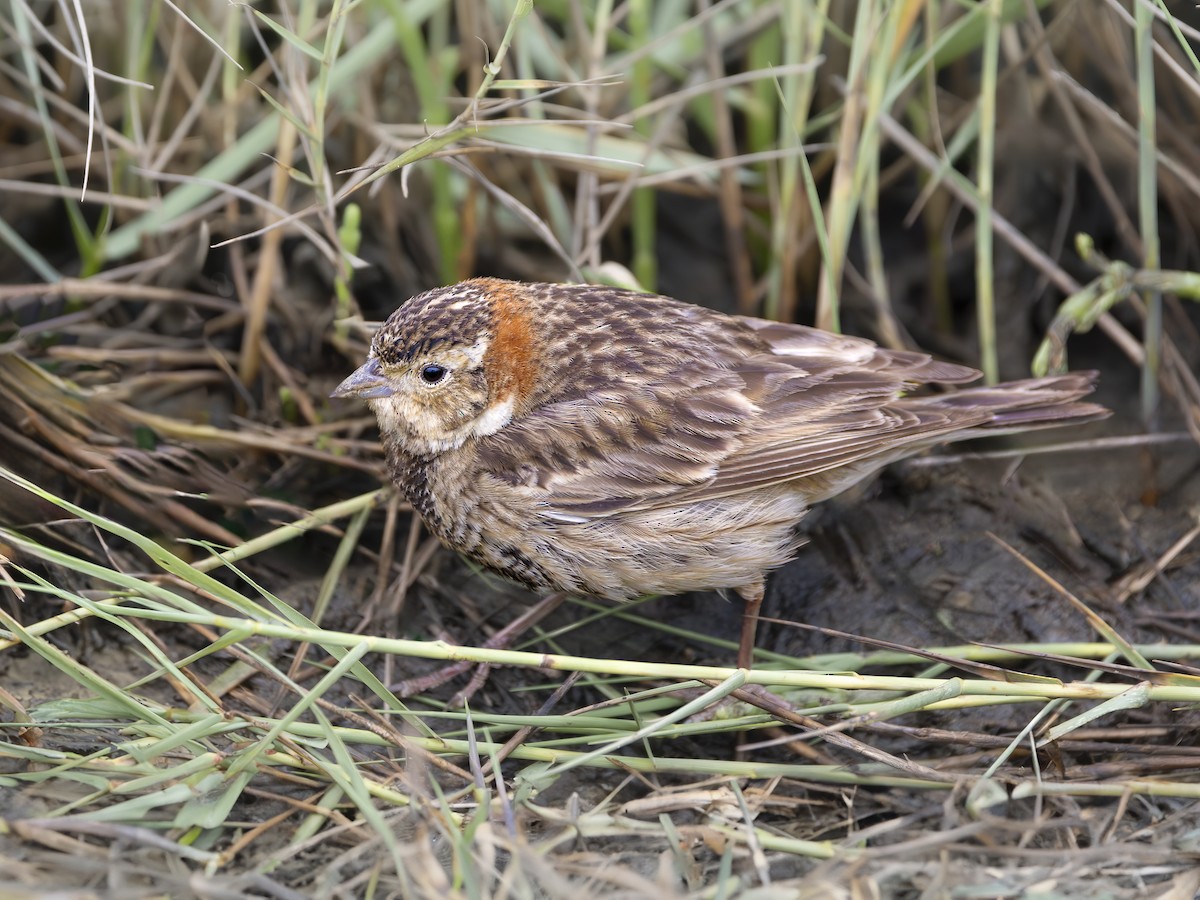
592, 440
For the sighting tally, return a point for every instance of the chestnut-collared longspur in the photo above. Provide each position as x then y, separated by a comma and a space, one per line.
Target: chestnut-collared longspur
600, 441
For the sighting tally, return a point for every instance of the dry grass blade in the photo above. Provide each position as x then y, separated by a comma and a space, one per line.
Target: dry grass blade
1095, 621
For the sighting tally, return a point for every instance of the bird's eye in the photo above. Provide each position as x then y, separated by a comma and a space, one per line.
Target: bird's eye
432, 374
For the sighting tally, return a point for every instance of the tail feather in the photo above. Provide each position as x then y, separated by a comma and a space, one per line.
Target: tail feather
1023, 405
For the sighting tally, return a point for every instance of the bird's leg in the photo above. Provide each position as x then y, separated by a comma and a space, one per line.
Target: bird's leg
753, 595
502, 639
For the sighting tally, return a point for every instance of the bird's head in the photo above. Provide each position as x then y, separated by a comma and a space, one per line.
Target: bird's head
449, 366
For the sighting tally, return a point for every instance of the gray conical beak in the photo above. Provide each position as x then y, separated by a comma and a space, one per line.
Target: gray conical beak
367, 383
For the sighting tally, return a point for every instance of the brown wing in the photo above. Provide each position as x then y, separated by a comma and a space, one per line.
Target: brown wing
609, 451
794, 402
834, 402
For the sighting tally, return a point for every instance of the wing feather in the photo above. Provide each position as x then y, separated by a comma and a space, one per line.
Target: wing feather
794, 403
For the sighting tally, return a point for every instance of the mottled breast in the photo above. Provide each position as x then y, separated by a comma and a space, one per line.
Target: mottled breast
448, 496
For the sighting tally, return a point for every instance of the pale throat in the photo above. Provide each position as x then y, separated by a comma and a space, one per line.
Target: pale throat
423, 432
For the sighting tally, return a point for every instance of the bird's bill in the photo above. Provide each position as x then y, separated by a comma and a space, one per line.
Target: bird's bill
367, 383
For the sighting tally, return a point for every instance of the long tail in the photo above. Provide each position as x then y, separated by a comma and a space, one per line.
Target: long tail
1023, 405
1017, 406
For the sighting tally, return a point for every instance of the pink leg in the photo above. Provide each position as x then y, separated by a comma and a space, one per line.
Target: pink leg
753, 595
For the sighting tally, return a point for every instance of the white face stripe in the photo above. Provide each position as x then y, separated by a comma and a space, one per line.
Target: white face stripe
494, 418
